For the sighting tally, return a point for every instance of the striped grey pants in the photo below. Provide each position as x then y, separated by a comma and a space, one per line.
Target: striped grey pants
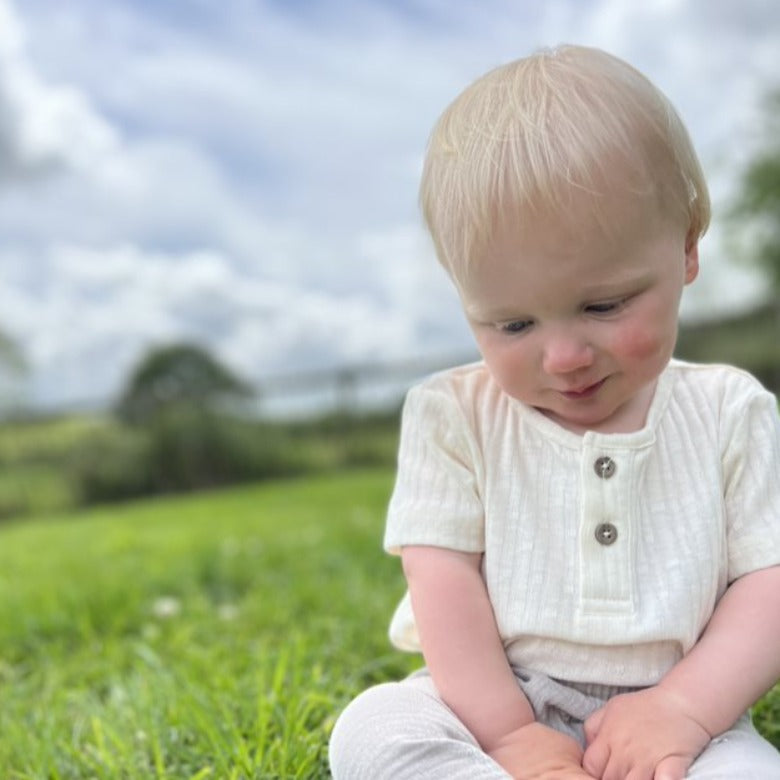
403, 730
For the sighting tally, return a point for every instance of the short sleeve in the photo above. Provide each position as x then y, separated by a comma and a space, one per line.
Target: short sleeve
751, 468
435, 500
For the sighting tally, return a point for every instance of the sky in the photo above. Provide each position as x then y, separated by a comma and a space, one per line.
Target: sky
244, 173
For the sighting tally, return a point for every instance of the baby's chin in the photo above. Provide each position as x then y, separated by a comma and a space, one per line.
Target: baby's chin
577, 423
626, 418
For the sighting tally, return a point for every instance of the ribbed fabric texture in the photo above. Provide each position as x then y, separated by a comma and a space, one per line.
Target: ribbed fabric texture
694, 499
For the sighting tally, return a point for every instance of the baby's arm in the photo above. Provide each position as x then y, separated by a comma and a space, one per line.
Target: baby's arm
663, 729
461, 643
466, 659
736, 660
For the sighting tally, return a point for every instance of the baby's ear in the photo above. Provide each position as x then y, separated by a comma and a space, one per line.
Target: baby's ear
691, 258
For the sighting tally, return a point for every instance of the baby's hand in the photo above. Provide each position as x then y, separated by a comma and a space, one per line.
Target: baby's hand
645, 735
536, 752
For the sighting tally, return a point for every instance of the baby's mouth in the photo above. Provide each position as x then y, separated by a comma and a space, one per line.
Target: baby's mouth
584, 392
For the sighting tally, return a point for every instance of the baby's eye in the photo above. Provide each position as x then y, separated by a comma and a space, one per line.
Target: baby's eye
608, 307
516, 326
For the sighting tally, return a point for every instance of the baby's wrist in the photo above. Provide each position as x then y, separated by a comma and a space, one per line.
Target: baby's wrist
496, 742
538, 751
689, 708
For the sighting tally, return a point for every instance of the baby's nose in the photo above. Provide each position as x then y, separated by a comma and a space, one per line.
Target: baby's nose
565, 353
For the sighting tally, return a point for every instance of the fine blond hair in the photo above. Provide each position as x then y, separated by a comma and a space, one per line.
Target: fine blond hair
530, 136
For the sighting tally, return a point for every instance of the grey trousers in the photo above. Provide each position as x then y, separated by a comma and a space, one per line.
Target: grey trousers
403, 730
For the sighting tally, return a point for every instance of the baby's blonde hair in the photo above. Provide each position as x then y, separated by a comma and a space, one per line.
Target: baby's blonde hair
529, 136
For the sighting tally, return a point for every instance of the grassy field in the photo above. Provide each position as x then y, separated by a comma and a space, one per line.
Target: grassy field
211, 636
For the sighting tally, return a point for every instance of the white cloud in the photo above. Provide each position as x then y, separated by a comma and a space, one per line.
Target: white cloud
42, 126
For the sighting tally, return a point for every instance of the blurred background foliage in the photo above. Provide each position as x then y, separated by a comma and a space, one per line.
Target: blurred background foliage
185, 422
756, 211
752, 339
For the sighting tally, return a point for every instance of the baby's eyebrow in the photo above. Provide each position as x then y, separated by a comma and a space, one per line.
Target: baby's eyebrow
497, 314
616, 287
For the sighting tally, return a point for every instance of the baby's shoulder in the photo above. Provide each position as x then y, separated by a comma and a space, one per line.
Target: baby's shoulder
466, 395
717, 381
461, 384
719, 400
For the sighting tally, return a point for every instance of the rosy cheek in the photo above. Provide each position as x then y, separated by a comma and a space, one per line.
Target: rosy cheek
639, 343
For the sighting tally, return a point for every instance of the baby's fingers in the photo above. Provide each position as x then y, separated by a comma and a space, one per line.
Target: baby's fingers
596, 758
593, 724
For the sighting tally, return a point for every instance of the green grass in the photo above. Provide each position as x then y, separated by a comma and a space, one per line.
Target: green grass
211, 636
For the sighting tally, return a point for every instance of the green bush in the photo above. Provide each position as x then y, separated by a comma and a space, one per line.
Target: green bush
183, 448
111, 464
59, 464
191, 448
35, 488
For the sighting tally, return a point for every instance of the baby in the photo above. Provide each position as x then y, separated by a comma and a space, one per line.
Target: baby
589, 528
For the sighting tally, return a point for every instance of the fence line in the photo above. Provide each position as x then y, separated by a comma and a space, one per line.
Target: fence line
350, 389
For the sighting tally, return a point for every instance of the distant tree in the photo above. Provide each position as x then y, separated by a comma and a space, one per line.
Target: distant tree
11, 358
176, 376
13, 371
758, 202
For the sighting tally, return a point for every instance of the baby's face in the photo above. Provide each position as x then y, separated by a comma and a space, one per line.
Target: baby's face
580, 325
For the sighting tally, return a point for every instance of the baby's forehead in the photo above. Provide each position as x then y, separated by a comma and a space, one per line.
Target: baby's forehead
577, 242
610, 216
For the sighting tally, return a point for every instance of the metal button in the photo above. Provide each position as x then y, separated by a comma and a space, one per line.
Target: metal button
605, 467
606, 534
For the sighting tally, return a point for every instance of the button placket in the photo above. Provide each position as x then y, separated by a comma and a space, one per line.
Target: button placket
605, 533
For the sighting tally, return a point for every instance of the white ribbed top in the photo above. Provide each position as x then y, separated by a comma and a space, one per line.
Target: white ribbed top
694, 497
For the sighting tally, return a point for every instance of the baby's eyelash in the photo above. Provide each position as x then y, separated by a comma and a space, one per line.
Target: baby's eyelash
607, 307
516, 326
